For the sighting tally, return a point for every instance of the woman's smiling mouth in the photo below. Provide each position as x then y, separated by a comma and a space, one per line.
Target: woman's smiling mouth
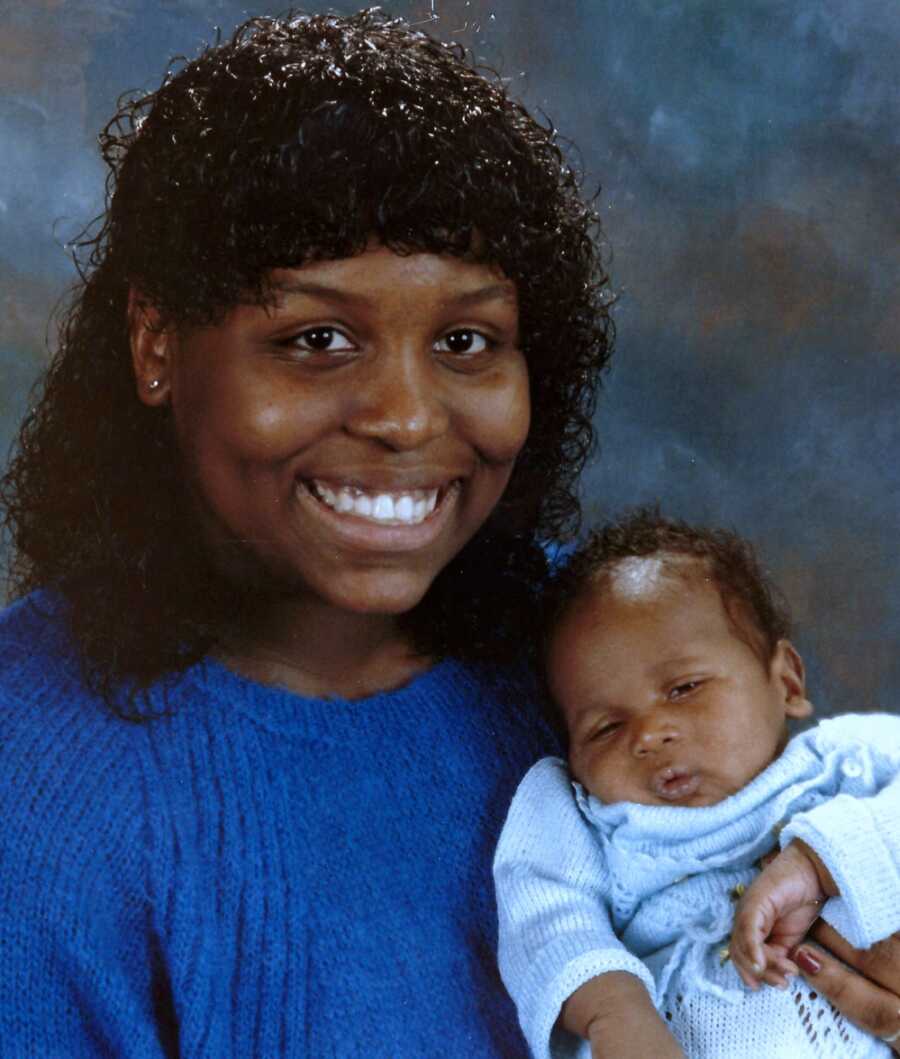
382, 518
404, 508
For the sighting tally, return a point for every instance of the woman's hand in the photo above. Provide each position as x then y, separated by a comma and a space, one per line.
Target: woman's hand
864, 985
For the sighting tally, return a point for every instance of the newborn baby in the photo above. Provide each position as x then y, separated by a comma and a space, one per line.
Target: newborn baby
668, 659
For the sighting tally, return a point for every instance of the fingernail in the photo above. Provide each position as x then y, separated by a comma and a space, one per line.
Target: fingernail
807, 962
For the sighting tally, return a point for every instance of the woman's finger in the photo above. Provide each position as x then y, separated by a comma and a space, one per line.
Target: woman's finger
880, 964
871, 1007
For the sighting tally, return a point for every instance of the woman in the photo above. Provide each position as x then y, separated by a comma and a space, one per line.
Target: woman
325, 385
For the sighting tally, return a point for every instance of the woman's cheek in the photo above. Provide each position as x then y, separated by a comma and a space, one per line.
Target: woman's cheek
268, 428
504, 414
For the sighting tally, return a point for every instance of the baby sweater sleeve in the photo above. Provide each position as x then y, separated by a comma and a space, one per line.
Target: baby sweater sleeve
857, 833
555, 932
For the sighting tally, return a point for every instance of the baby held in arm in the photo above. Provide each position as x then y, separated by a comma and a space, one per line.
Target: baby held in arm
652, 889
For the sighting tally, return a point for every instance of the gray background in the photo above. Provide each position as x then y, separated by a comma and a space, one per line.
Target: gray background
748, 155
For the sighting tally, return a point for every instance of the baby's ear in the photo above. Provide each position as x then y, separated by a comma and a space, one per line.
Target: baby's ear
787, 670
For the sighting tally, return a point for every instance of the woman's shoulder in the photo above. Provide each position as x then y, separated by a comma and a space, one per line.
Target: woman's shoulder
508, 696
76, 863
41, 680
34, 641
62, 751
511, 684
41, 671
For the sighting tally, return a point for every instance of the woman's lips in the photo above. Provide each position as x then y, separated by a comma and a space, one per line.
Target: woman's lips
380, 520
402, 507
674, 783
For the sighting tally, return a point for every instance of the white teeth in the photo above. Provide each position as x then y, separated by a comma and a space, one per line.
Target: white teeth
362, 505
383, 508
407, 508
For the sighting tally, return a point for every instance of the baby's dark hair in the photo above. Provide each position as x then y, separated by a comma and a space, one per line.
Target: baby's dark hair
729, 561
299, 139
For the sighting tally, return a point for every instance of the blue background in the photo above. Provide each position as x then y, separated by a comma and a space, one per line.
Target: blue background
748, 153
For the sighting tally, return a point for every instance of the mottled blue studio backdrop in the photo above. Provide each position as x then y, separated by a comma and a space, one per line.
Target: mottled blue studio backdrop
748, 153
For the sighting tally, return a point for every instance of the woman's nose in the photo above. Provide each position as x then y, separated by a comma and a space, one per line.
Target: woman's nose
397, 402
652, 735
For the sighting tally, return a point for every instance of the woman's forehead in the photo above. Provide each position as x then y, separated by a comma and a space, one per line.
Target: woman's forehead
379, 269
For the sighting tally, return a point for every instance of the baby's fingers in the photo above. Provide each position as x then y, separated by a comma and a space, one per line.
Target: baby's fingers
779, 967
775, 968
751, 968
747, 944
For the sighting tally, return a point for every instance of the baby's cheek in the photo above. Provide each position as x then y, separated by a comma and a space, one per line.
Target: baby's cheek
602, 775
579, 766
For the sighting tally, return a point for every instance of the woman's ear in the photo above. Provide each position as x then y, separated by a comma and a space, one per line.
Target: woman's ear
787, 669
152, 347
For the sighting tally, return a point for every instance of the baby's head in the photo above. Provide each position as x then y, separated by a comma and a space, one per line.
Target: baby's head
667, 654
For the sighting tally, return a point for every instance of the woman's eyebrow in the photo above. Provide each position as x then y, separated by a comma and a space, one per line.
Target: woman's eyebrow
502, 291
317, 290
491, 292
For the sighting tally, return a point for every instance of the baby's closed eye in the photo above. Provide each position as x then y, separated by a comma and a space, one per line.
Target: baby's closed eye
604, 730
683, 689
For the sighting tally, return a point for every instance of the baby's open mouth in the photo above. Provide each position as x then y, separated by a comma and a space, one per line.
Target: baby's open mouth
674, 783
405, 508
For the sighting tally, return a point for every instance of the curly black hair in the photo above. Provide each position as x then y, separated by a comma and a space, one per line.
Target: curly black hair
298, 139
728, 559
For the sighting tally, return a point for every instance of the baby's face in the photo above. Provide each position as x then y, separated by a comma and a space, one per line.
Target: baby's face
664, 702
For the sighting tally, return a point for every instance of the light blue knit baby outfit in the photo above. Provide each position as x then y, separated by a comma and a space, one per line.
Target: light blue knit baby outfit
666, 876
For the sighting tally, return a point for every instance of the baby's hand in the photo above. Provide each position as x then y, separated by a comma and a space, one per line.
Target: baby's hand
615, 1013
775, 914
633, 1038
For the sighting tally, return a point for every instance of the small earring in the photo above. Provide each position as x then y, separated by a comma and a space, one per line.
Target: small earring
153, 384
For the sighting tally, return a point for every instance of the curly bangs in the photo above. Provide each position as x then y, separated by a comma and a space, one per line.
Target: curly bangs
301, 138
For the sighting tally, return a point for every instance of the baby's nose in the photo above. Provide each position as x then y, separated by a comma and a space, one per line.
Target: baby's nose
653, 736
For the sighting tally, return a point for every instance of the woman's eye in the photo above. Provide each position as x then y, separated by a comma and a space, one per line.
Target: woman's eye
320, 340
463, 342
680, 690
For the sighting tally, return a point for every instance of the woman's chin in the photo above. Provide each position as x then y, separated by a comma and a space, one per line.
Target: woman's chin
384, 596
352, 592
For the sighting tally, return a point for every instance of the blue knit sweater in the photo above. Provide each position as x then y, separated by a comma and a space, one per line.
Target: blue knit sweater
256, 874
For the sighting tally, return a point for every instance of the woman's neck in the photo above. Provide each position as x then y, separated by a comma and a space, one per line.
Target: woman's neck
317, 651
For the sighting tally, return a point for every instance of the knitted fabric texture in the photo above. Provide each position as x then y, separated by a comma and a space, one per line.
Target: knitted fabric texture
574, 875
256, 874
